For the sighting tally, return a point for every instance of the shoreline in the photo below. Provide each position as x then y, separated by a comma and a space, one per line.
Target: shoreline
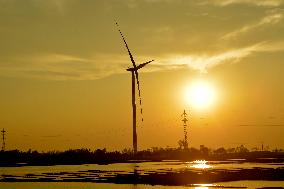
256, 160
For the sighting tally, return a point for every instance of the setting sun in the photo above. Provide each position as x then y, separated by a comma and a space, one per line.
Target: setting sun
141, 94
200, 94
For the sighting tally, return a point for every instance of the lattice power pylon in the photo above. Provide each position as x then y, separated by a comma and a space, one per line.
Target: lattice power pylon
185, 120
3, 139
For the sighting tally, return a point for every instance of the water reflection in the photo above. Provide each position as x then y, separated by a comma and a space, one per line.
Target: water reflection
159, 172
200, 164
135, 174
203, 186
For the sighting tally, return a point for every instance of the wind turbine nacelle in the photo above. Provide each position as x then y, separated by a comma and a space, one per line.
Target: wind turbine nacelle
139, 66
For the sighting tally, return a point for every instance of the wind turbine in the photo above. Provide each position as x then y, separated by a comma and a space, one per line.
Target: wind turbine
134, 74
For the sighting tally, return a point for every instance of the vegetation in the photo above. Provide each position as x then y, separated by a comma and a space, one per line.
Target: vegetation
102, 156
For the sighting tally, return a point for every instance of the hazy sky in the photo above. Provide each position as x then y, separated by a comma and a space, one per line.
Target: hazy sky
63, 82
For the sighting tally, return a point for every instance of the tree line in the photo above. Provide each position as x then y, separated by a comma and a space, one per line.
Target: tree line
102, 156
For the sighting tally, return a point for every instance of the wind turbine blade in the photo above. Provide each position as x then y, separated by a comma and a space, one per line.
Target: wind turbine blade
139, 93
138, 84
143, 64
123, 38
135, 69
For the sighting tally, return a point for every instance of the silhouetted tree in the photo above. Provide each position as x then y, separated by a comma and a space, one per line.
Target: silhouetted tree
220, 151
242, 149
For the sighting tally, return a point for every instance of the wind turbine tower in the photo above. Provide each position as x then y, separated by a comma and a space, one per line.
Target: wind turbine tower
134, 76
184, 120
3, 139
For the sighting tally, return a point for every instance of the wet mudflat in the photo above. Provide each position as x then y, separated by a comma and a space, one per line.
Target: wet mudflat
88, 185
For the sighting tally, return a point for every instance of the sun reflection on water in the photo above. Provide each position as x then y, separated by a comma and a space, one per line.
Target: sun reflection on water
202, 186
200, 164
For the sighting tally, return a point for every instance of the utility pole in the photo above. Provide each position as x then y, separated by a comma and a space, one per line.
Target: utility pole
3, 139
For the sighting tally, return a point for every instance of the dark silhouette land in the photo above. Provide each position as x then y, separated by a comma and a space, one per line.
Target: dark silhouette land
102, 156
165, 176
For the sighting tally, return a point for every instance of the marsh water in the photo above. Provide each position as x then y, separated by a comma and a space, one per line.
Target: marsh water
89, 176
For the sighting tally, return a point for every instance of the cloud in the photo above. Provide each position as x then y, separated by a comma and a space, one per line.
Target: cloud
66, 67
267, 20
52, 136
57, 58
272, 47
266, 3
261, 125
204, 62
59, 6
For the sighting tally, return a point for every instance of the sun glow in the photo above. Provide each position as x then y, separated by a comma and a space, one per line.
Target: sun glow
200, 95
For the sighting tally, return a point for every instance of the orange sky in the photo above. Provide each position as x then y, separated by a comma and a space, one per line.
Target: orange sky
63, 81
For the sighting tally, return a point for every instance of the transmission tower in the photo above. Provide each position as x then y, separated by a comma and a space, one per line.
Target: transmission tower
3, 139
184, 120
